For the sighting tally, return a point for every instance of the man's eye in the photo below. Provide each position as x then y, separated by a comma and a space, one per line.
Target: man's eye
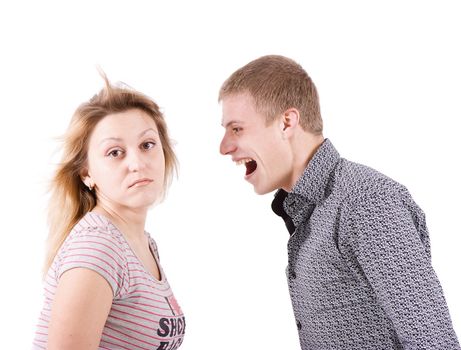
148, 145
236, 130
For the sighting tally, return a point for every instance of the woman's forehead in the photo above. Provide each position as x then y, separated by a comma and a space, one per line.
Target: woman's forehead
125, 125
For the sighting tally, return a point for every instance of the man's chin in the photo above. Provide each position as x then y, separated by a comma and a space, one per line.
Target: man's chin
263, 190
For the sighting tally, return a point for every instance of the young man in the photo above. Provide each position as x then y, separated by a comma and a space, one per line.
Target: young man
359, 266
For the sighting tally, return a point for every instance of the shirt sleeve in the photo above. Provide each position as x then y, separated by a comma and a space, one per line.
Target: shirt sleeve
98, 250
388, 236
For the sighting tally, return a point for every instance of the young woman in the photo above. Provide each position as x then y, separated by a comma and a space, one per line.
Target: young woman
104, 286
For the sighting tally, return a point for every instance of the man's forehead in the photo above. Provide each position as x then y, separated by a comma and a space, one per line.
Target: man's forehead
236, 109
240, 99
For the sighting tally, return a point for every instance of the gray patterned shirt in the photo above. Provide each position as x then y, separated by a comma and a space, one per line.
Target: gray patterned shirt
359, 265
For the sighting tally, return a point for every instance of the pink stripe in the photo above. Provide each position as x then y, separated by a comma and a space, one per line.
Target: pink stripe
50, 275
118, 345
38, 345
133, 270
49, 291
129, 314
149, 286
100, 234
144, 310
98, 250
154, 306
96, 218
48, 283
134, 338
132, 322
123, 341
144, 334
110, 247
143, 273
136, 297
148, 277
93, 257
89, 263
88, 219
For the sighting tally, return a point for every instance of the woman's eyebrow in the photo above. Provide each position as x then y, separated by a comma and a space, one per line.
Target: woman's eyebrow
117, 139
110, 139
146, 131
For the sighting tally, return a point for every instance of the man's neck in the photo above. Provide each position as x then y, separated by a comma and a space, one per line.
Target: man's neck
304, 146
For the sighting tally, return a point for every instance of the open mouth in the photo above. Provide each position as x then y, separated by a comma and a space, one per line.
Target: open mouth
250, 165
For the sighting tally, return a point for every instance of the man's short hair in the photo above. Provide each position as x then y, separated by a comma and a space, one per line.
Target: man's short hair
277, 83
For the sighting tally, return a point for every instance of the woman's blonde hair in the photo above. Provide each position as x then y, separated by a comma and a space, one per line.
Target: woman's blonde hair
70, 199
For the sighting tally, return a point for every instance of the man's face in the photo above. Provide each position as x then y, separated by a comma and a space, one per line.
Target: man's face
262, 149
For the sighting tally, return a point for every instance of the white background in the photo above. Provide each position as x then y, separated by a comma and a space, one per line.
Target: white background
389, 78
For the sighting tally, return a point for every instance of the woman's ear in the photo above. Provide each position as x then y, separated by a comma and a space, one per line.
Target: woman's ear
289, 122
86, 179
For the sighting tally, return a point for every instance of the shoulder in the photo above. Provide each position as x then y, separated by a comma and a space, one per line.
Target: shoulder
359, 183
94, 243
94, 229
375, 207
93, 222
368, 197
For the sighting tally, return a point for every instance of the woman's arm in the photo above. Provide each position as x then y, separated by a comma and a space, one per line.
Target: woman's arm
79, 311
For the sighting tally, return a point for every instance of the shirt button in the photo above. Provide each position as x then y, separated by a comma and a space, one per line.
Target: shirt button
298, 324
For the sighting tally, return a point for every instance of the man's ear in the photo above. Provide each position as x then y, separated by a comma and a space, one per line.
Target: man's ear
289, 122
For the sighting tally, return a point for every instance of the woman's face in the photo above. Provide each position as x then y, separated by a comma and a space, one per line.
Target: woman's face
126, 164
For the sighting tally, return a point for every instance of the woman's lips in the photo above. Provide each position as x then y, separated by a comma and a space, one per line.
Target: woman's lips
141, 182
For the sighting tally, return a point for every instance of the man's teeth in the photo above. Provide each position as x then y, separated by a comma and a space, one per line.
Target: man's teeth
243, 161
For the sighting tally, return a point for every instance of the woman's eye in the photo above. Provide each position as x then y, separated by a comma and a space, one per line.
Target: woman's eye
148, 145
114, 153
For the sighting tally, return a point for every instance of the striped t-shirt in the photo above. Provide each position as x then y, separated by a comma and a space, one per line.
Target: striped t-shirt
144, 313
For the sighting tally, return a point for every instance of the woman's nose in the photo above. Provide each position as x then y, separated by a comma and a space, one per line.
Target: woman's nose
135, 162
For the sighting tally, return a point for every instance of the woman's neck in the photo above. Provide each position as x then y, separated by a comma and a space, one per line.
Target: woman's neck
130, 222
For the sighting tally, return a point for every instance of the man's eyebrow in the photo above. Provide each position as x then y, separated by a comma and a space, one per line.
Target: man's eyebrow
231, 122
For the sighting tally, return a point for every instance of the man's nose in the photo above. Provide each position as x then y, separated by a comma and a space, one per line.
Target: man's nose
227, 146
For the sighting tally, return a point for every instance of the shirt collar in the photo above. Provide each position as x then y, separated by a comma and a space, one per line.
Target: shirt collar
313, 183
312, 187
